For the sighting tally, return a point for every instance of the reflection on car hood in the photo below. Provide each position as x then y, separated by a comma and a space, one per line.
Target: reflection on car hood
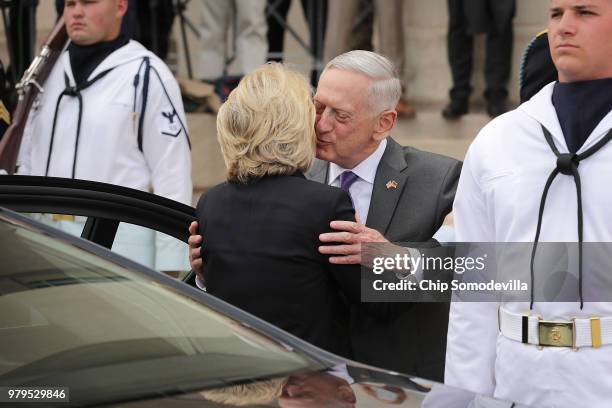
340, 386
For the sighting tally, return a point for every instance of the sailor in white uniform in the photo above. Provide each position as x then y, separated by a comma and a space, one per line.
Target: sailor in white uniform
112, 112
541, 173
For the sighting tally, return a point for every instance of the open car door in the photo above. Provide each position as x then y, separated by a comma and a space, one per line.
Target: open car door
101, 207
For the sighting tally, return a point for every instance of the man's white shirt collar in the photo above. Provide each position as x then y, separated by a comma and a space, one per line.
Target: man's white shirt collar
361, 190
366, 170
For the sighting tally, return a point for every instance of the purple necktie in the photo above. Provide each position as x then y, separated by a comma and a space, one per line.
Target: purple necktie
346, 181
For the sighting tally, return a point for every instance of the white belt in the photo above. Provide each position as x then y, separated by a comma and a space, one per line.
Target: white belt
575, 333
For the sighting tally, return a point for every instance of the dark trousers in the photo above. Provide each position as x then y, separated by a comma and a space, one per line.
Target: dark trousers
20, 25
153, 26
460, 56
316, 16
21, 20
363, 28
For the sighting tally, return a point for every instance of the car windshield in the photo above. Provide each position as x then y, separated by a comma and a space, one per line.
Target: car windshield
71, 317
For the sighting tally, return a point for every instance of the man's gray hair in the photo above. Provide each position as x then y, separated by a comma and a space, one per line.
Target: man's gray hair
385, 89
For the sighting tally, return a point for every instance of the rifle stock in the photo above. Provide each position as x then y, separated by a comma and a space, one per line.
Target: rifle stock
28, 89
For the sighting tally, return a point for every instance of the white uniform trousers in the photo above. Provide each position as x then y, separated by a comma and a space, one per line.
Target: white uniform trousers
217, 16
341, 16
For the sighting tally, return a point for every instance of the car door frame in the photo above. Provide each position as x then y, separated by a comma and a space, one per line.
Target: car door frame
104, 205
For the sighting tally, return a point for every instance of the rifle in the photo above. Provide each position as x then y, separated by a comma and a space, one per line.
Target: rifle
27, 90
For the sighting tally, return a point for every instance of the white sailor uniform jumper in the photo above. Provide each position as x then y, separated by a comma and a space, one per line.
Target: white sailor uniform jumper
126, 126
520, 184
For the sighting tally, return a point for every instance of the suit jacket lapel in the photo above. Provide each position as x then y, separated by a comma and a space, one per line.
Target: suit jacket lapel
383, 200
389, 184
318, 172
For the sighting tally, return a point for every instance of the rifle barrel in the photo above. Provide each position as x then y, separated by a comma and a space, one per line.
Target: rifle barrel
28, 89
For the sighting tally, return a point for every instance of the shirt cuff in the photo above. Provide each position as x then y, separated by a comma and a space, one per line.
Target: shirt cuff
200, 283
413, 273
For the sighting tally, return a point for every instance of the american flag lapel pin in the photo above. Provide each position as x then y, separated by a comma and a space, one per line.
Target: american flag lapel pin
391, 184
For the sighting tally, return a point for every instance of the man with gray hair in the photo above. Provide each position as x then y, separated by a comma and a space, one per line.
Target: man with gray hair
355, 103
400, 194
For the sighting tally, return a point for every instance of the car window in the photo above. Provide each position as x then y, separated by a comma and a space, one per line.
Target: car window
68, 223
69, 316
153, 249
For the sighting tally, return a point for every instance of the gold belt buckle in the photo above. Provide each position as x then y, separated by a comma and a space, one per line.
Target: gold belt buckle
63, 217
557, 334
595, 331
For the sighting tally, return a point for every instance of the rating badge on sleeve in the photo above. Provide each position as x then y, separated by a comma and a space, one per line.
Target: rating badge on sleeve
170, 124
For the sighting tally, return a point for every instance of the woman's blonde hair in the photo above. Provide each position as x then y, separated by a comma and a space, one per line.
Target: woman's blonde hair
266, 126
257, 393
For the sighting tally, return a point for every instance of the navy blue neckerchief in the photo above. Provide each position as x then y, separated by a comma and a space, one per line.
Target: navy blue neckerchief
567, 164
580, 107
84, 59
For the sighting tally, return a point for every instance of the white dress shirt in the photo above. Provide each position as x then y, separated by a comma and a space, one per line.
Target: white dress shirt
361, 190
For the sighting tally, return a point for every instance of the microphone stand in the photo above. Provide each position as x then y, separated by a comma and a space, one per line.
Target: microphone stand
179, 9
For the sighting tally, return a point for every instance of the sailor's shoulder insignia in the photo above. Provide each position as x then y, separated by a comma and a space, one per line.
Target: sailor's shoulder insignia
169, 123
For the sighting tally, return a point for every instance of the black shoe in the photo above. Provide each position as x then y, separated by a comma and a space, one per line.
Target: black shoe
455, 109
494, 109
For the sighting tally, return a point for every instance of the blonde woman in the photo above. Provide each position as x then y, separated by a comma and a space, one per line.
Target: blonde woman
261, 228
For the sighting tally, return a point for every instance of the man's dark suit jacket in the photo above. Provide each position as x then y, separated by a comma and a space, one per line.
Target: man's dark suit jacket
415, 341
260, 254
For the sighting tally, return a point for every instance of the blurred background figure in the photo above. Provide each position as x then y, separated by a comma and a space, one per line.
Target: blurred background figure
363, 28
391, 37
347, 15
19, 18
153, 26
247, 18
315, 12
467, 18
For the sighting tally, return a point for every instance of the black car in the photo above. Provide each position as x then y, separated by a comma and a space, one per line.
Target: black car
83, 326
